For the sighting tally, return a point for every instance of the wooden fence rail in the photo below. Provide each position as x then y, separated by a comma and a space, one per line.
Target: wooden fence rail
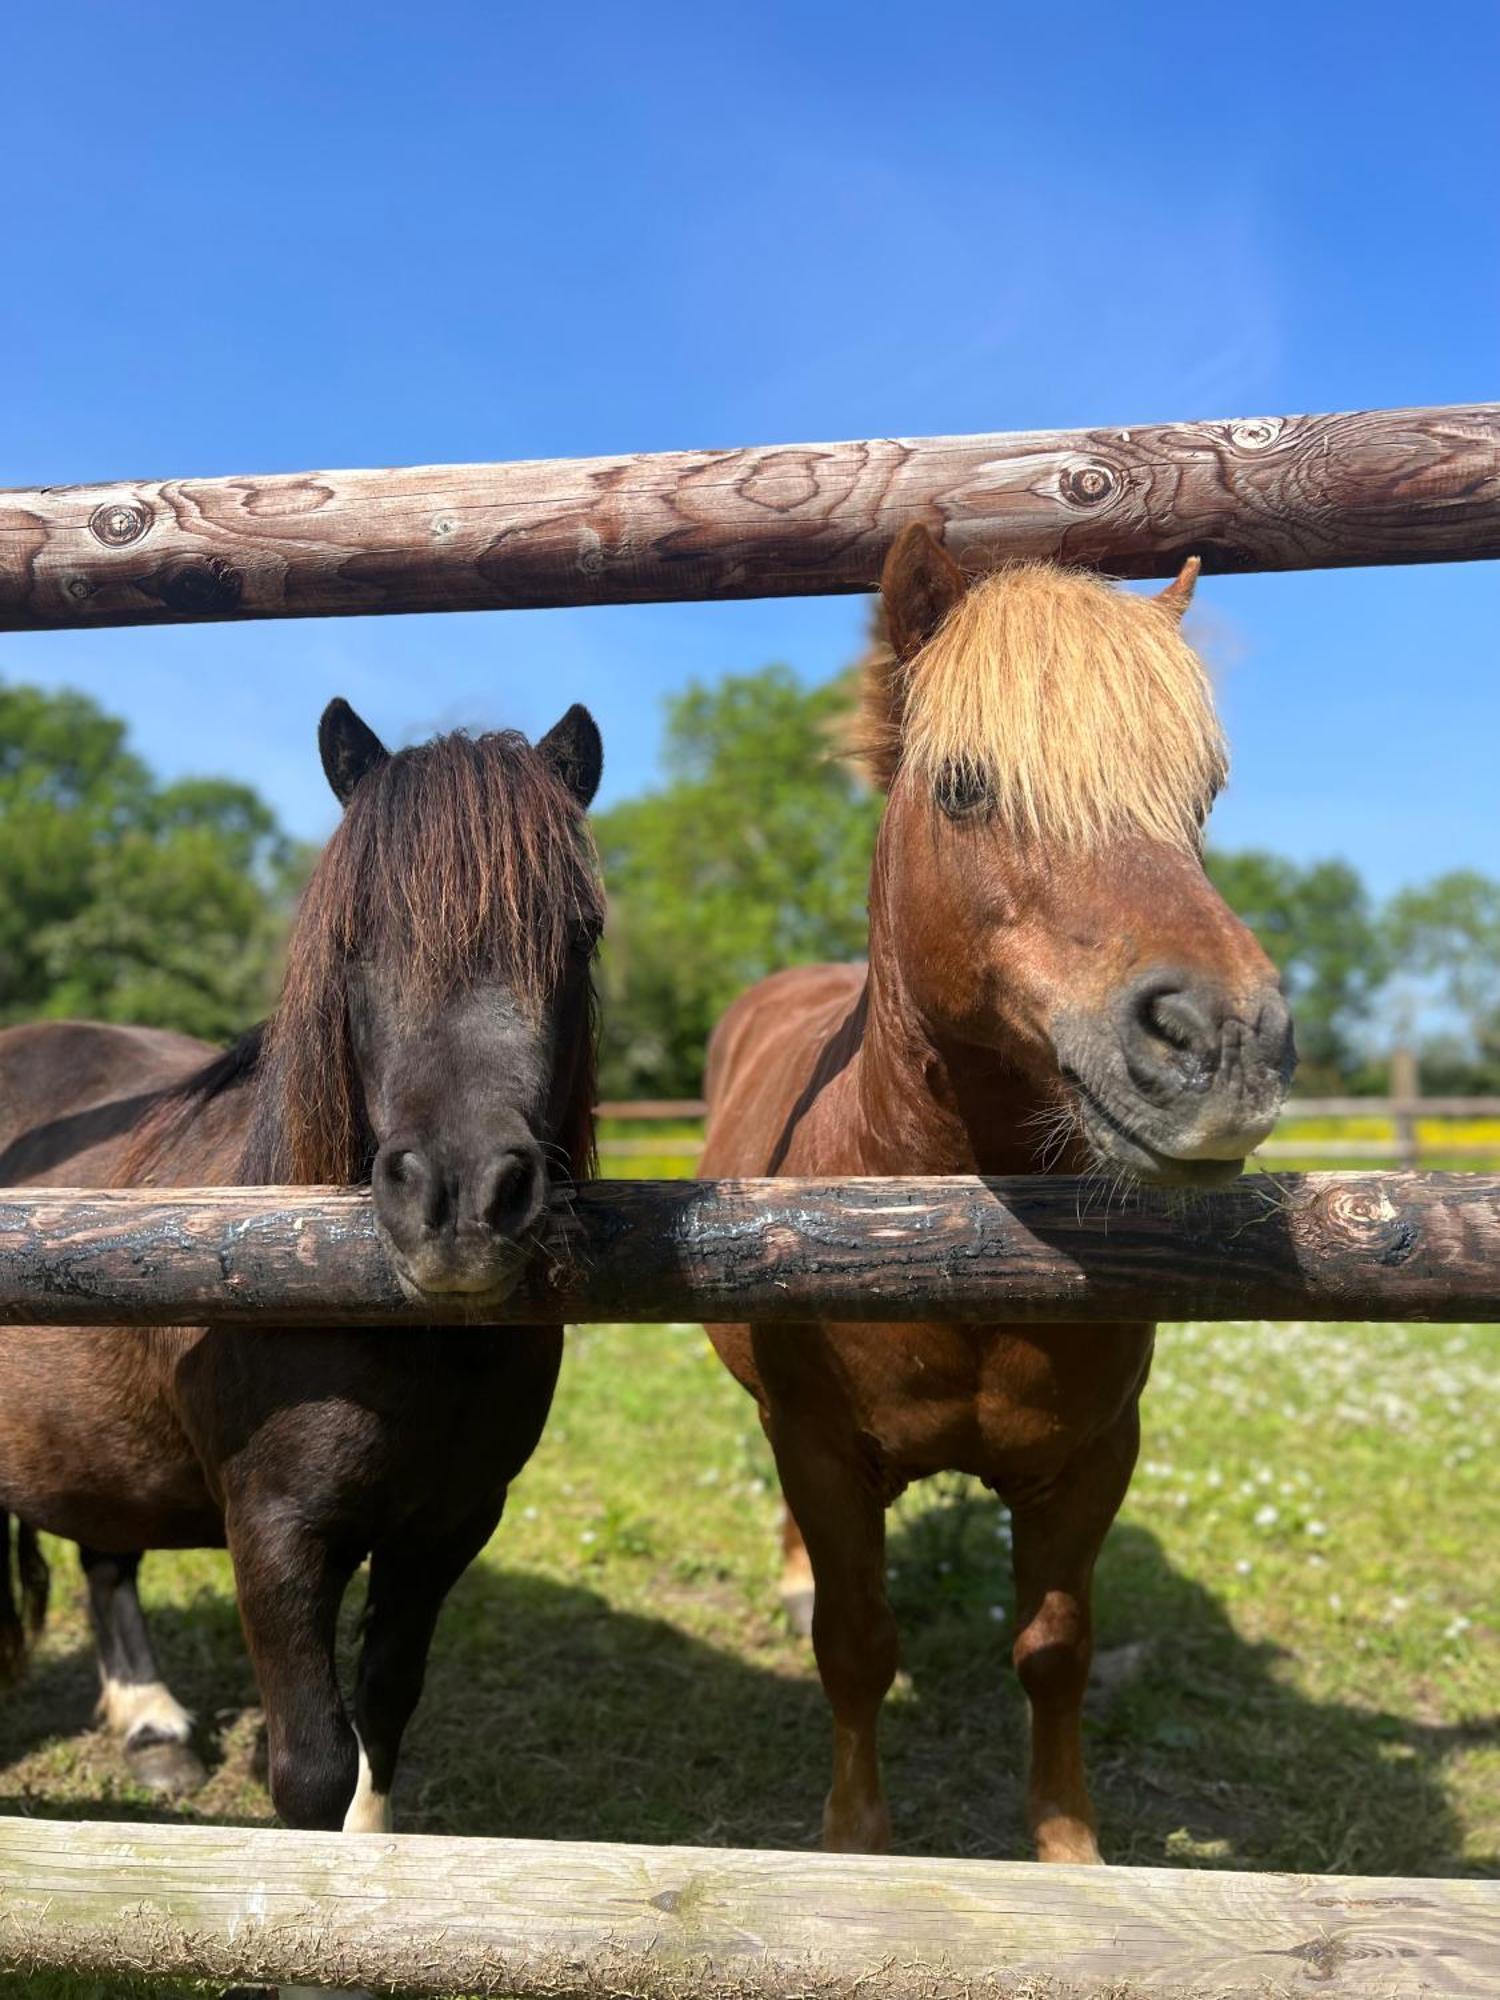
541, 1920
1376, 486
1312, 1246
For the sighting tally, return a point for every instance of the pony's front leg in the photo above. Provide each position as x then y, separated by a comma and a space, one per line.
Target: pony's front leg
409, 1580
134, 1701
291, 1581
840, 1511
1058, 1532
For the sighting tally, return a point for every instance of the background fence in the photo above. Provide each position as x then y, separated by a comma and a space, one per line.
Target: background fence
1430, 1129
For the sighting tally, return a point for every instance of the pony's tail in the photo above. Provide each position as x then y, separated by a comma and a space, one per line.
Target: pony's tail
23, 1598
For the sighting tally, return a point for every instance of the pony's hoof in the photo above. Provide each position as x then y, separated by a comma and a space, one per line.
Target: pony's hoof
165, 1766
797, 1607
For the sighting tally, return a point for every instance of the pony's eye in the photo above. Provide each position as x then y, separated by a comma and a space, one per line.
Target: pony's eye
963, 789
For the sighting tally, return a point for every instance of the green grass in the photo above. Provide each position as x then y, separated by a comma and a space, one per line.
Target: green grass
1308, 1563
1297, 1610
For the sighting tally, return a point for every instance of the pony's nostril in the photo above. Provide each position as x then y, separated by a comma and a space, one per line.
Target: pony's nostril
1273, 1033
1173, 1018
412, 1195
511, 1192
1169, 1013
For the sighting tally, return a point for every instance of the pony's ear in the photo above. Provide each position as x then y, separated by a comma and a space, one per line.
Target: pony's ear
574, 749
1178, 594
348, 748
919, 585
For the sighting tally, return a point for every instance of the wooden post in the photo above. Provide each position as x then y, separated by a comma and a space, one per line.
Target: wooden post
1406, 1089
543, 1920
1300, 1246
1379, 486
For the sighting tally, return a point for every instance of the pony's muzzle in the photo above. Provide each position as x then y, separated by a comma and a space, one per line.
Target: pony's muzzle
1208, 1069
1179, 1079
457, 1225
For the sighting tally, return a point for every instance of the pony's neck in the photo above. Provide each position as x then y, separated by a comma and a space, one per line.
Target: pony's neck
933, 1105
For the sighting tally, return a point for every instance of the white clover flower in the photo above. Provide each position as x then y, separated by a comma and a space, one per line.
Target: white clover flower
1267, 1516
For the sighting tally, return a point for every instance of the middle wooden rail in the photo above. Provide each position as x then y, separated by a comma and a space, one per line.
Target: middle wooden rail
1406, 1246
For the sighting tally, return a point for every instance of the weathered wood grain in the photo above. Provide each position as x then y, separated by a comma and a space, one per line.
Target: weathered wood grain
544, 1919
1408, 1246
1377, 486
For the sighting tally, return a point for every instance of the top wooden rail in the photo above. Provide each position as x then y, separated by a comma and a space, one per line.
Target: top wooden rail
1374, 486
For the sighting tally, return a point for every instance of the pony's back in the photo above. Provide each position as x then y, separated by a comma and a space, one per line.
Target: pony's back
73, 1095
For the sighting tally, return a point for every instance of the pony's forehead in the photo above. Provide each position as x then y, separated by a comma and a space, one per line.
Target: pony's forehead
1083, 705
456, 858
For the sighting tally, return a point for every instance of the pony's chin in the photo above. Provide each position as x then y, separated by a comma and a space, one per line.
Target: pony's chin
1119, 1149
461, 1294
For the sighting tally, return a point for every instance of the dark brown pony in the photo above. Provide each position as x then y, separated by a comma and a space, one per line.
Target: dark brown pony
434, 1039
1052, 985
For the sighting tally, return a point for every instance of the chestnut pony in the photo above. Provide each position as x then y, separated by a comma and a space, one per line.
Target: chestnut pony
1052, 985
434, 1038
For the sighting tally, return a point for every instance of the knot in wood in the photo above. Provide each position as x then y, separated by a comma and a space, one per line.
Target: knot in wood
1366, 1222
1255, 433
197, 588
1088, 485
118, 523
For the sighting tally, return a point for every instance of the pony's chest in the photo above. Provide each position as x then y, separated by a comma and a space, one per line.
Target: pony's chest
1003, 1403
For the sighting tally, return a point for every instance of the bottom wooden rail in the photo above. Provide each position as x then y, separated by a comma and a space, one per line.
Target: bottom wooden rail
553, 1919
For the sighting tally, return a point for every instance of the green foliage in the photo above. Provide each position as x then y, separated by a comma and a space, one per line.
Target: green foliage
1447, 933
1318, 925
124, 899
754, 854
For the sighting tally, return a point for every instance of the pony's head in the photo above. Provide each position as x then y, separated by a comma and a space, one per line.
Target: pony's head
435, 1034
1051, 752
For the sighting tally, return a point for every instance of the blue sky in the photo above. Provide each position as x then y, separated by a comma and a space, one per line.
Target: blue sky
270, 237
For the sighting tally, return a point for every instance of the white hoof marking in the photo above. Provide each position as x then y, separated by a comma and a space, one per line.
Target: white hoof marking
369, 1810
130, 1706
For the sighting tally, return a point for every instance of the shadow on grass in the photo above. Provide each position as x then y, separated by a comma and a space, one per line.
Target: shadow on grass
1200, 1750
549, 1714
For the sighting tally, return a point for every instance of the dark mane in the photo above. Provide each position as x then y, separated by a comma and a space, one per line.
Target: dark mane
464, 857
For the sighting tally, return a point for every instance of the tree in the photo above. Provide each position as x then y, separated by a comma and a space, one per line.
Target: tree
124, 899
1318, 926
753, 855
1446, 934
